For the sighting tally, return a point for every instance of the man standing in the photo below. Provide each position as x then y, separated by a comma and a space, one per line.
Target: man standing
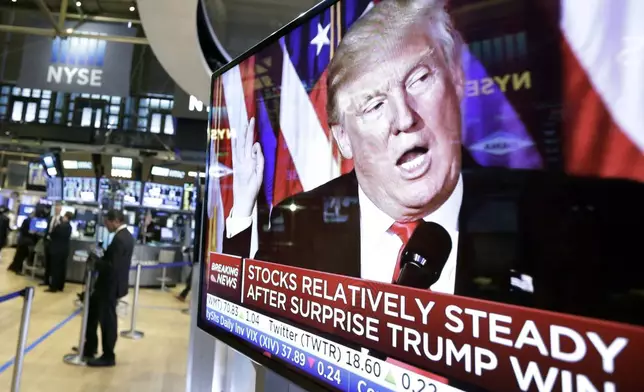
111, 284
58, 253
53, 222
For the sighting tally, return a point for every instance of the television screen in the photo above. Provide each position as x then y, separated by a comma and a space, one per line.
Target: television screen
432, 195
38, 225
36, 175
189, 197
79, 189
54, 188
26, 209
162, 196
166, 234
131, 191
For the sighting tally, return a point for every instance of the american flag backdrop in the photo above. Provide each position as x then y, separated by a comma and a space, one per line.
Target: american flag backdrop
601, 100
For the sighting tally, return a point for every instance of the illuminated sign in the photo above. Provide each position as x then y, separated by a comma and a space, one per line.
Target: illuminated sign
503, 83
166, 172
195, 105
77, 165
222, 133
121, 167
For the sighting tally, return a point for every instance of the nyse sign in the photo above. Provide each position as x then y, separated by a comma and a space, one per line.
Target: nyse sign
195, 105
77, 61
189, 106
78, 76
83, 63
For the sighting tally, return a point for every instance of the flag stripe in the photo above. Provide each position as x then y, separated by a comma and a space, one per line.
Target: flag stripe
607, 38
603, 43
309, 147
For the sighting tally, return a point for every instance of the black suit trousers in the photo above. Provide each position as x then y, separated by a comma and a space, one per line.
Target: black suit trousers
102, 311
47, 276
22, 252
57, 270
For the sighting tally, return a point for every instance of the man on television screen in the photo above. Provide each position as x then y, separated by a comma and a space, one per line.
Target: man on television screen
394, 90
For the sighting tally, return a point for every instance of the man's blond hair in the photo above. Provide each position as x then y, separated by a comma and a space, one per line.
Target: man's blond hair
388, 22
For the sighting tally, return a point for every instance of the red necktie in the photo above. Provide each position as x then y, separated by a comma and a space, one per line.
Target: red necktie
404, 232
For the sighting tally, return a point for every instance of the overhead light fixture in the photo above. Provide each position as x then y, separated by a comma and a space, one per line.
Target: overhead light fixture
132, 8
13, 1
78, 4
69, 30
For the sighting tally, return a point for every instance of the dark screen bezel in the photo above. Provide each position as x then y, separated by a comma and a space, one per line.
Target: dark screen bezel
254, 354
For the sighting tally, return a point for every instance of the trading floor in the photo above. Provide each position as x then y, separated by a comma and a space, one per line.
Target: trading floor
155, 363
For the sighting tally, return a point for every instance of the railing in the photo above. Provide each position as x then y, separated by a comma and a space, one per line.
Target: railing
28, 294
132, 333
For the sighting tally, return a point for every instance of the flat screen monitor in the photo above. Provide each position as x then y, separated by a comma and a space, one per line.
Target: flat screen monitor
431, 195
163, 196
38, 225
26, 209
131, 191
166, 234
54, 188
79, 189
36, 175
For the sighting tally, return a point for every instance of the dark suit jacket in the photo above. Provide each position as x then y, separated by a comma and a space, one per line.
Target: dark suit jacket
114, 267
25, 237
4, 229
59, 239
578, 238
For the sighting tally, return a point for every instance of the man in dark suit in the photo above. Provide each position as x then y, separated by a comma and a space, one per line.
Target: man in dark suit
58, 252
51, 225
531, 238
111, 284
26, 241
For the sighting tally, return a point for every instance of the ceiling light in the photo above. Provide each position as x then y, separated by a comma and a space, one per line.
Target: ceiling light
78, 4
132, 8
69, 30
13, 1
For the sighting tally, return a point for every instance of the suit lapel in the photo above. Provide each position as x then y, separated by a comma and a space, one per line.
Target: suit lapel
346, 240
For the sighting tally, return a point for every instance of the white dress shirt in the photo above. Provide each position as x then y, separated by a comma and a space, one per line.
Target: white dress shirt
123, 226
54, 222
379, 249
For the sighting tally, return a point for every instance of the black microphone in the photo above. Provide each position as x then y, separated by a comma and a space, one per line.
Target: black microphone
425, 255
422, 260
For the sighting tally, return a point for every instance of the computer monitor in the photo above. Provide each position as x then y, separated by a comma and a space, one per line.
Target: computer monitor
435, 195
162, 196
79, 189
38, 225
167, 234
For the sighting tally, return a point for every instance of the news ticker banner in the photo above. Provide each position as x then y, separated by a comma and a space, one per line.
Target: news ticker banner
342, 367
493, 345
